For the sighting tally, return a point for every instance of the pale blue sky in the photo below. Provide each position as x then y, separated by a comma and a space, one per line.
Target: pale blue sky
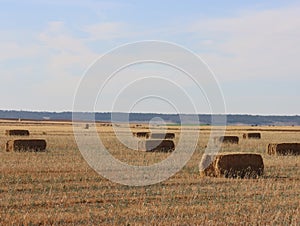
252, 47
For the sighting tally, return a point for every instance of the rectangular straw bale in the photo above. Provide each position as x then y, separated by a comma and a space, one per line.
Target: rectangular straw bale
232, 165
284, 149
228, 139
156, 145
26, 145
141, 134
17, 132
252, 135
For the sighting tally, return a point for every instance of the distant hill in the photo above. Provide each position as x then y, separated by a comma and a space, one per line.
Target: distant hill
146, 117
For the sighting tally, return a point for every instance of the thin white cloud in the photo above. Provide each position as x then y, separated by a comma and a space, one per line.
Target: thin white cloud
55, 37
253, 44
63, 50
105, 31
14, 50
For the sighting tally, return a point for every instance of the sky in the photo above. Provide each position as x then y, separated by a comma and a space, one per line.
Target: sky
252, 48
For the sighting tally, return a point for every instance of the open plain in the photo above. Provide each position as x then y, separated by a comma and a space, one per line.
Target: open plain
59, 187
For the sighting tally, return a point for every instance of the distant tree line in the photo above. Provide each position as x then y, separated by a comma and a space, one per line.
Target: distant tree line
204, 119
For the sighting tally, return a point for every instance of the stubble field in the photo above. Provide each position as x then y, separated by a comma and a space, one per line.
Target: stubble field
59, 187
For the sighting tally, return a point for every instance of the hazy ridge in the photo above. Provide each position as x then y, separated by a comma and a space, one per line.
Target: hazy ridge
232, 119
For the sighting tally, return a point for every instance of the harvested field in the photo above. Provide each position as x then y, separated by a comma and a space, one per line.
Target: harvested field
284, 149
58, 187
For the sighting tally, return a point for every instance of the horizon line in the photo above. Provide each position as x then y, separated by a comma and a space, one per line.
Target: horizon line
157, 113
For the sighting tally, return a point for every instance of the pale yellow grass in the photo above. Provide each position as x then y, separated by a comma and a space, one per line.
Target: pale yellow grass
58, 187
